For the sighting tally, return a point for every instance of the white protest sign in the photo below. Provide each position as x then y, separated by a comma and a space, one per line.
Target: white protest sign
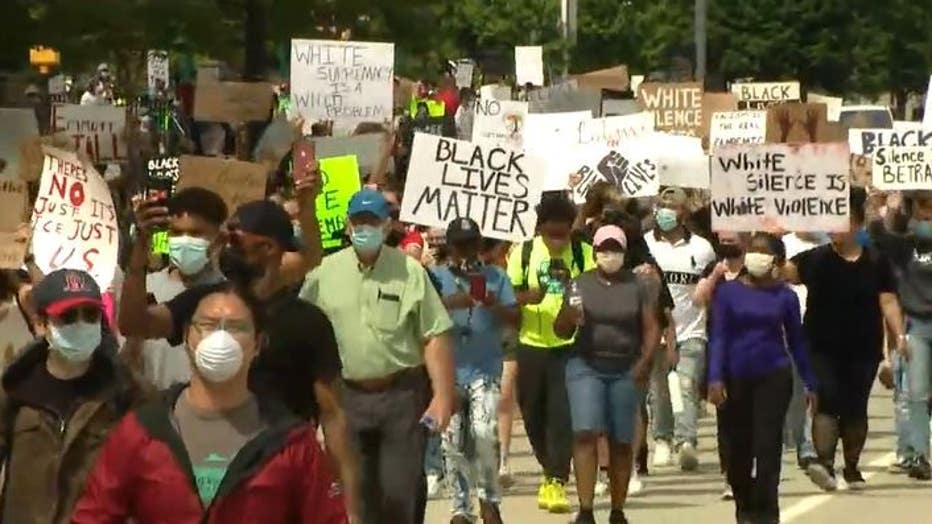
866, 141
74, 224
529, 65
157, 72
738, 127
464, 72
794, 187
548, 135
346, 82
17, 125
611, 131
636, 81
95, 130
927, 115
760, 95
499, 123
833, 105
630, 167
57, 84
495, 92
902, 168
681, 160
495, 186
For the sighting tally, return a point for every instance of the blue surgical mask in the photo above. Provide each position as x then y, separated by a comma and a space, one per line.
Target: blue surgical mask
665, 218
367, 239
921, 229
188, 254
76, 342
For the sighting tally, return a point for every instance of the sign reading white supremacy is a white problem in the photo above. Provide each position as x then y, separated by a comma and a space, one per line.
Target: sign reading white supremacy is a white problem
902, 168
796, 187
495, 186
347, 82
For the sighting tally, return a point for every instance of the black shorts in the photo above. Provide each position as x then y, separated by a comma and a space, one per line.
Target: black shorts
844, 384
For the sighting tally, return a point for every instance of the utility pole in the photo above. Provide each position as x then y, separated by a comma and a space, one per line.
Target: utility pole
701, 16
568, 11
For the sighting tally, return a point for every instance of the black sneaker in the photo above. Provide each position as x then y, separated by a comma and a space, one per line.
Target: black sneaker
854, 479
584, 516
919, 469
617, 517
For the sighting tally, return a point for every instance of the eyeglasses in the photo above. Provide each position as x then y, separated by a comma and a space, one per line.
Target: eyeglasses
206, 326
84, 314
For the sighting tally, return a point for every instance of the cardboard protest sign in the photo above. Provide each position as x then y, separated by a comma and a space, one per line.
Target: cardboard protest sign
715, 103
547, 136
529, 65
761, 95
833, 105
340, 177
499, 122
235, 181
74, 222
233, 102
343, 81
13, 196
866, 141
796, 187
157, 74
677, 108
366, 149
611, 78
495, 92
738, 127
795, 123
630, 167
97, 131
565, 97
902, 168
927, 113
613, 130
16, 126
495, 186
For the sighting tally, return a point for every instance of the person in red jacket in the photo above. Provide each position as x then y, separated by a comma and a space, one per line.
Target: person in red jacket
211, 451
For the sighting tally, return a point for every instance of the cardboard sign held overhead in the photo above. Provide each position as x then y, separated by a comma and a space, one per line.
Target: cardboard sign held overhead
340, 177
630, 167
564, 97
902, 168
157, 73
546, 133
715, 103
366, 149
866, 141
529, 65
97, 131
613, 130
761, 95
16, 126
235, 181
738, 127
677, 107
13, 195
499, 123
233, 102
797, 123
612, 78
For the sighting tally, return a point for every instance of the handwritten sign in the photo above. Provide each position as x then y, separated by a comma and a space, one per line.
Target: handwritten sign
157, 74
797, 123
613, 130
866, 141
738, 127
233, 102
235, 181
796, 187
16, 126
74, 223
547, 133
499, 122
340, 177
346, 82
495, 186
529, 65
97, 131
761, 95
677, 108
902, 168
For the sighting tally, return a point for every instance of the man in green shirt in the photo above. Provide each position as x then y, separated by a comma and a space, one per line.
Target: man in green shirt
540, 270
391, 329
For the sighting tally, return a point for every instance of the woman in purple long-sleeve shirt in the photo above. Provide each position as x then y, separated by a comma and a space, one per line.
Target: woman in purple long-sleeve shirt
753, 320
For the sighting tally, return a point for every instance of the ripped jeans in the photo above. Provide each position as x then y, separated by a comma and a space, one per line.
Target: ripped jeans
470, 445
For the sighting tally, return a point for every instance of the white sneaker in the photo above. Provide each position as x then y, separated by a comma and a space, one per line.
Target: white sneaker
635, 485
662, 454
434, 485
601, 484
689, 461
727, 493
505, 478
821, 477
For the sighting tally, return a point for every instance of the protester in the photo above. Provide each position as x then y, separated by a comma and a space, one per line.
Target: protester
539, 270
481, 301
614, 315
212, 450
16, 317
682, 256
390, 325
852, 286
754, 318
69, 388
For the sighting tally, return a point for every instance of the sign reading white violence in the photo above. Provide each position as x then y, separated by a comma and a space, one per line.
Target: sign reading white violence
347, 82
74, 223
499, 122
796, 187
760, 95
866, 141
902, 168
738, 127
95, 130
495, 186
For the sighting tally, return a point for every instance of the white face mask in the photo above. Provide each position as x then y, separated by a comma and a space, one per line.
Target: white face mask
218, 356
610, 261
758, 264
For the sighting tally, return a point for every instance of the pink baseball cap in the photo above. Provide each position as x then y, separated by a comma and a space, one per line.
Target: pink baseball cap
609, 232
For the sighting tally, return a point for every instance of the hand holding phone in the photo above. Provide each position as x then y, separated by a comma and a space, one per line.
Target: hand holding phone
303, 160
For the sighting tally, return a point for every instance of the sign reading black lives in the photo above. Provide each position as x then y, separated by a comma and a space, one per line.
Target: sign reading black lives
161, 177
495, 186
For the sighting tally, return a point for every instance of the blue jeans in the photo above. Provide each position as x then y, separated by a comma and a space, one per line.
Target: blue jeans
433, 458
920, 377
682, 427
470, 445
904, 449
797, 430
602, 403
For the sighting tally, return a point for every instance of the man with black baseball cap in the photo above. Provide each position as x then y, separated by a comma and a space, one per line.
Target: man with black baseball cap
70, 386
301, 348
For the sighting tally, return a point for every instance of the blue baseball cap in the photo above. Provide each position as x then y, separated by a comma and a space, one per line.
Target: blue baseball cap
369, 201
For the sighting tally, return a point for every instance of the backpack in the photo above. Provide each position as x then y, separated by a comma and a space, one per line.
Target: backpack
527, 247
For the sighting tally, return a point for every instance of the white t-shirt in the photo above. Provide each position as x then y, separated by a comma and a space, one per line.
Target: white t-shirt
682, 265
794, 246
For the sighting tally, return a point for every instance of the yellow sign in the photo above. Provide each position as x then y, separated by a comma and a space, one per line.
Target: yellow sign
340, 177
44, 58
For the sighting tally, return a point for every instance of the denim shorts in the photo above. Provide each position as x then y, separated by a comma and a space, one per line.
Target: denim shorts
602, 402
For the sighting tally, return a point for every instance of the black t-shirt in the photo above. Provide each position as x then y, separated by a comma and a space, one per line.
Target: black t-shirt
301, 349
912, 267
61, 396
843, 316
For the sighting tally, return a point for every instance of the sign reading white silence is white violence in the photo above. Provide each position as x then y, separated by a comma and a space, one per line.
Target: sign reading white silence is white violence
347, 82
495, 186
902, 168
796, 187
866, 141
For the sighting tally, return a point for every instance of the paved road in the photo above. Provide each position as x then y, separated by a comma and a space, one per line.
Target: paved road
672, 497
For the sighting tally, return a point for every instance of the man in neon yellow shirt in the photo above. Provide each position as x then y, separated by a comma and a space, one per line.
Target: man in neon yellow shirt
540, 270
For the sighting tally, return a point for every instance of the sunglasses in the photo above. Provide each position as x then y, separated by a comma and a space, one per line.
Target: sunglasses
88, 314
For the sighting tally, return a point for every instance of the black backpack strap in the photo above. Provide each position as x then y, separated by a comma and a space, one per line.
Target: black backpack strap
526, 249
578, 261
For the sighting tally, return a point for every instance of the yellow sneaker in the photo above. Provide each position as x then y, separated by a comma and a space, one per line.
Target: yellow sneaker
543, 494
557, 502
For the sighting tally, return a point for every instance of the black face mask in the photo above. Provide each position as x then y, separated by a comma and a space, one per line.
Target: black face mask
730, 251
234, 266
394, 238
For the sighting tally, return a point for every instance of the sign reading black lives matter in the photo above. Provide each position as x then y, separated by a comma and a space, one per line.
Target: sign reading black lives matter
795, 187
631, 167
902, 168
495, 186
